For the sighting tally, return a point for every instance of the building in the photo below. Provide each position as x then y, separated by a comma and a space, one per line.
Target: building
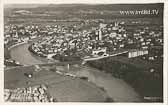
136, 53
96, 52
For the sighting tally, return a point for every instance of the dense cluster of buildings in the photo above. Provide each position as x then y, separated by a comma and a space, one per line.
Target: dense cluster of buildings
71, 41
111, 37
30, 94
14, 34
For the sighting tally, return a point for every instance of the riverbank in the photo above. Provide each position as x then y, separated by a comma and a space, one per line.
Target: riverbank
76, 89
9, 48
147, 80
9, 62
116, 88
109, 83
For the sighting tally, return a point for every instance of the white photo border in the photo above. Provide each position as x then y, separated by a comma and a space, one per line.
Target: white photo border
165, 73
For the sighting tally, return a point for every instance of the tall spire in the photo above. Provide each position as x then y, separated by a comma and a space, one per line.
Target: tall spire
100, 34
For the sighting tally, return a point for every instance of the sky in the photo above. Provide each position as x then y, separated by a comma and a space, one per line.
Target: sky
82, 1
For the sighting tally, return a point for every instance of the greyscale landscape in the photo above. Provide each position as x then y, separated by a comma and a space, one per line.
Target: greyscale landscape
83, 53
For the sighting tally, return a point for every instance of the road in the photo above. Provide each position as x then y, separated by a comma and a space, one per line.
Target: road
101, 57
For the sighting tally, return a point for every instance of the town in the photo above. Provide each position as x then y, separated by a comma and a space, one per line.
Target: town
82, 58
102, 40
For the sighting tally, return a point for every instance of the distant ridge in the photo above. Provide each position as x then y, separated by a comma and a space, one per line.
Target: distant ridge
89, 6
86, 11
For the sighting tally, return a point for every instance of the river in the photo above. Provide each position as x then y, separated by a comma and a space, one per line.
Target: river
118, 89
21, 54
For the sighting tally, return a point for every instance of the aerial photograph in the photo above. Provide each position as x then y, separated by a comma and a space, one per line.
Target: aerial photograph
108, 53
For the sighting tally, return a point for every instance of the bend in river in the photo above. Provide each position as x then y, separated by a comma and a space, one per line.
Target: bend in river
21, 54
118, 89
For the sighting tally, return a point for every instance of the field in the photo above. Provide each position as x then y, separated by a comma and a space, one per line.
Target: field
63, 88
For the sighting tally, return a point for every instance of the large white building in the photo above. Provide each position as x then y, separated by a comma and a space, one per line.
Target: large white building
136, 53
96, 52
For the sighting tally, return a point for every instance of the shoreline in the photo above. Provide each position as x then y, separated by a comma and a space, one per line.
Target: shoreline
52, 84
117, 89
93, 75
17, 45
